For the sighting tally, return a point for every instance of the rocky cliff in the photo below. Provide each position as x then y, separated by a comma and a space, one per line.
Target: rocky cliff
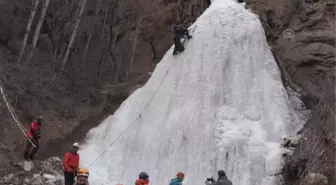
302, 34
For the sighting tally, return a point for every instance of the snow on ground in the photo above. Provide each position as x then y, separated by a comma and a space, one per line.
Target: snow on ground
218, 105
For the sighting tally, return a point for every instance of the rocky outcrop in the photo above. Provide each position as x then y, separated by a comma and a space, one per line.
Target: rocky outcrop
315, 179
47, 172
302, 34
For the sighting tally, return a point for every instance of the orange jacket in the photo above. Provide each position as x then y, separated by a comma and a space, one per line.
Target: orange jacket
141, 182
70, 162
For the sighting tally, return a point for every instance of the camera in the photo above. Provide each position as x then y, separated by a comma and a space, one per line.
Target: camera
211, 179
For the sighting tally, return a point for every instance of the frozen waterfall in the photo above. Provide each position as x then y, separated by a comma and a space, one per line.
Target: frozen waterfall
218, 105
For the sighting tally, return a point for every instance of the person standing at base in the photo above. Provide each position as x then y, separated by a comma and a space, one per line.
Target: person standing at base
70, 164
222, 179
33, 137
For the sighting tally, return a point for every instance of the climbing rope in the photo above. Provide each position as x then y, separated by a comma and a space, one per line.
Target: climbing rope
139, 116
15, 118
191, 121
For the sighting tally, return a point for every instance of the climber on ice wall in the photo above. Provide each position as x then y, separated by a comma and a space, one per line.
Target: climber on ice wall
179, 31
178, 180
34, 135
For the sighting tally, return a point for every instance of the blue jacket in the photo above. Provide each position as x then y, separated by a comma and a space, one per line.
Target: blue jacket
176, 181
178, 30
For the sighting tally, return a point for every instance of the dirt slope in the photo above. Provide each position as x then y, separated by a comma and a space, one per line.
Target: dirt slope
91, 87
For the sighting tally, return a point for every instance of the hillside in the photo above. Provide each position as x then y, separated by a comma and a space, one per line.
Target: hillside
75, 95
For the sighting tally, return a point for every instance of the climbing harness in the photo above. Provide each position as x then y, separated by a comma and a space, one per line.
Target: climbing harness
15, 118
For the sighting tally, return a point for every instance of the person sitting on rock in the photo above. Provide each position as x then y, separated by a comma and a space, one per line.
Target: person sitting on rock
143, 179
33, 137
82, 177
70, 164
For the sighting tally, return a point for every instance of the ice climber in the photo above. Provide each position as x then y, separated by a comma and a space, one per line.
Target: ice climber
222, 179
33, 136
143, 179
70, 164
82, 177
178, 180
179, 31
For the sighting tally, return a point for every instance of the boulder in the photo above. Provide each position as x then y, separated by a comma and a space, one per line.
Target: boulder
315, 179
26, 165
331, 139
36, 180
291, 141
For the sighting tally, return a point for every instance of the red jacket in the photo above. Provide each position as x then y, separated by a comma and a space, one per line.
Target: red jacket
141, 182
70, 162
34, 130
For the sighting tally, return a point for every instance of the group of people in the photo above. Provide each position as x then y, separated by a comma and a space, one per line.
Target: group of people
222, 179
73, 175
72, 170
71, 159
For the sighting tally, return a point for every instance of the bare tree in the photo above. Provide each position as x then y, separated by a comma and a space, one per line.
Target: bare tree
105, 18
113, 25
152, 29
92, 31
30, 21
135, 41
37, 30
81, 7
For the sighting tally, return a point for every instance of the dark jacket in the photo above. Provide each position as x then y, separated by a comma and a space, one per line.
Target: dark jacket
178, 30
221, 181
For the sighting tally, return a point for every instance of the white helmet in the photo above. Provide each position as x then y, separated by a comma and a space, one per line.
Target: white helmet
75, 145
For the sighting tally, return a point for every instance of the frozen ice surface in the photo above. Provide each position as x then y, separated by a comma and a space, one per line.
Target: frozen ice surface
218, 105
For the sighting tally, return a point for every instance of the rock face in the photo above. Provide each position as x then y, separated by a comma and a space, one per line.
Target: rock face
302, 34
47, 172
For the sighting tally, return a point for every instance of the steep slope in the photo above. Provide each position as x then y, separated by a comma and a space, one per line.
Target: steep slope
218, 105
308, 62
